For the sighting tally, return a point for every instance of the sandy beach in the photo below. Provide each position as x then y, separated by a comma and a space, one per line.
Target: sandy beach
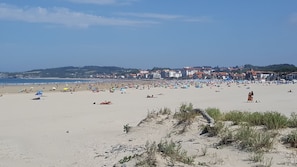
73, 129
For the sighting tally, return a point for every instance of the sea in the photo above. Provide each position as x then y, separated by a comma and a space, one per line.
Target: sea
40, 81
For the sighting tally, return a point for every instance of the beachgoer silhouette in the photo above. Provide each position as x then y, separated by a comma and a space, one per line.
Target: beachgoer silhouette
250, 96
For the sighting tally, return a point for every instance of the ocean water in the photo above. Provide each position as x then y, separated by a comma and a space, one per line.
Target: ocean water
23, 81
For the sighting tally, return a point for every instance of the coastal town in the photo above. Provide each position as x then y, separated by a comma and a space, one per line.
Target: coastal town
279, 72
211, 73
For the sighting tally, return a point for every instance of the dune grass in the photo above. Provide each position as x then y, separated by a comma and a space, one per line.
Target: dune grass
214, 113
255, 133
247, 136
292, 121
254, 140
186, 114
175, 152
291, 139
271, 120
167, 149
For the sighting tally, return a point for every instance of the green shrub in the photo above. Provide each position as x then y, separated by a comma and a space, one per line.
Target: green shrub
251, 139
213, 130
292, 122
150, 159
274, 120
255, 118
186, 114
245, 135
263, 141
174, 151
291, 139
235, 116
168, 149
214, 113
226, 136
186, 107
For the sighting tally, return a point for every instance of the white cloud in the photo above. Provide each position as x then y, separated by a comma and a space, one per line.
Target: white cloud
104, 2
159, 16
63, 16
153, 15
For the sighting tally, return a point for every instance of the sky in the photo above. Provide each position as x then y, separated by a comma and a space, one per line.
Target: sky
39, 34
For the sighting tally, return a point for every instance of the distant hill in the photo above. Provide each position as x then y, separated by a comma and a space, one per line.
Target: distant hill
284, 68
110, 71
79, 72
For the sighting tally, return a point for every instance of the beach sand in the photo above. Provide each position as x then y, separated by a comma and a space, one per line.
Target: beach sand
73, 129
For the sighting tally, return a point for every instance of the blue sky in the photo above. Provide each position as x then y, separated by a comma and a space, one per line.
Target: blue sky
146, 33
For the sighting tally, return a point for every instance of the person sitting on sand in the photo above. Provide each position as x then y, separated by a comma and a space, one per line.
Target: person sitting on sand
250, 96
105, 102
148, 96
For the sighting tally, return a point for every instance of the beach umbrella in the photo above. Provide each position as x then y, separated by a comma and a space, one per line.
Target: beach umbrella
39, 93
123, 90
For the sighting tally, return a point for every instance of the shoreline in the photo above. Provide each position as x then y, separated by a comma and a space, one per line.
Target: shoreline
107, 84
100, 84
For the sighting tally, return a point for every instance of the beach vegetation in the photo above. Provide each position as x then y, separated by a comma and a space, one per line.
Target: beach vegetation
213, 130
127, 128
292, 121
165, 111
235, 116
257, 156
249, 138
274, 120
151, 115
150, 155
186, 107
167, 149
291, 139
127, 158
226, 136
253, 118
238, 117
244, 135
255, 133
185, 117
186, 114
174, 152
271, 120
215, 113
